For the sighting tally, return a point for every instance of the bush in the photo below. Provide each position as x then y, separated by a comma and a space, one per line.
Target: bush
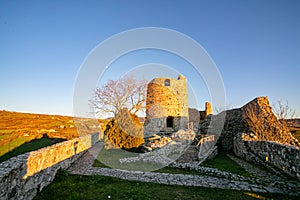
124, 131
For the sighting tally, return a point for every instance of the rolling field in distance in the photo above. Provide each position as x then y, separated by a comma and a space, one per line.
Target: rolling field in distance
17, 128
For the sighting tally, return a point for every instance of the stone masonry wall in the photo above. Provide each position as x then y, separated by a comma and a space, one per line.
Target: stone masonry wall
21, 177
208, 109
166, 97
263, 124
284, 158
194, 117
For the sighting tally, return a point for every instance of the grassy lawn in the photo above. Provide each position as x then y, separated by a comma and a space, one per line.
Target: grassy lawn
25, 147
221, 162
170, 170
6, 131
56, 123
66, 186
8, 147
224, 163
4, 136
110, 159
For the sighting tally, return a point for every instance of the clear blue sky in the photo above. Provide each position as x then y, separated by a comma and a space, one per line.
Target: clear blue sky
255, 44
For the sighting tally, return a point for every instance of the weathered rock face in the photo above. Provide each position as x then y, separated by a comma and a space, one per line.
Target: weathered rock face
261, 121
125, 131
166, 105
255, 117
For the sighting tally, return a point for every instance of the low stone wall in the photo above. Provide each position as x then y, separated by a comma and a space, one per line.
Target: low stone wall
284, 158
21, 177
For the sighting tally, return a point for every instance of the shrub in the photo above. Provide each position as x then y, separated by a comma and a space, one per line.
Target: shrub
124, 131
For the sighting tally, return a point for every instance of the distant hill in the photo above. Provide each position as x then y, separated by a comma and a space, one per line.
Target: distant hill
294, 126
294, 122
17, 128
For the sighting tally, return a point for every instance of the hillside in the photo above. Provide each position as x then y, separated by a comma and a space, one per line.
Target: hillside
18, 128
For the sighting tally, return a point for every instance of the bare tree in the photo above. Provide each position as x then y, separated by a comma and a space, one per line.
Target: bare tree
284, 113
126, 92
265, 126
256, 122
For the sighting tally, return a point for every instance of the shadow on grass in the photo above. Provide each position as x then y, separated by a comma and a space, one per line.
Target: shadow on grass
224, 163
110, 158
107, 158
67, 186
31, 145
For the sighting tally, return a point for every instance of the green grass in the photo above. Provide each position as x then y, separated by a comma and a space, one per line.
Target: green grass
25, 147
4, 136
110, 159
107, 158
224, 163
6, 131
15, 143
66, 186
55, 123
170, 170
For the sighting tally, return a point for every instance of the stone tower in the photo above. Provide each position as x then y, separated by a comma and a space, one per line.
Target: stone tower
166, 105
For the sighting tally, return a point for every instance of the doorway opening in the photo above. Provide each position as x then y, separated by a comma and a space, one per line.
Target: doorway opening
170, 121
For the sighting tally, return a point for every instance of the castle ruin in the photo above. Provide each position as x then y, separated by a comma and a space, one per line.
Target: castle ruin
166, 105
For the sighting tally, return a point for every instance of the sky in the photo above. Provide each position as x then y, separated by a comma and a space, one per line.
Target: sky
43, 44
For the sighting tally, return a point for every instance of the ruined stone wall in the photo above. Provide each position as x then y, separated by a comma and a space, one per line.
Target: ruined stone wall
194, 117
264, 124
208, 109
233, 124
21, 177
205, 113
284, 158
166, 97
